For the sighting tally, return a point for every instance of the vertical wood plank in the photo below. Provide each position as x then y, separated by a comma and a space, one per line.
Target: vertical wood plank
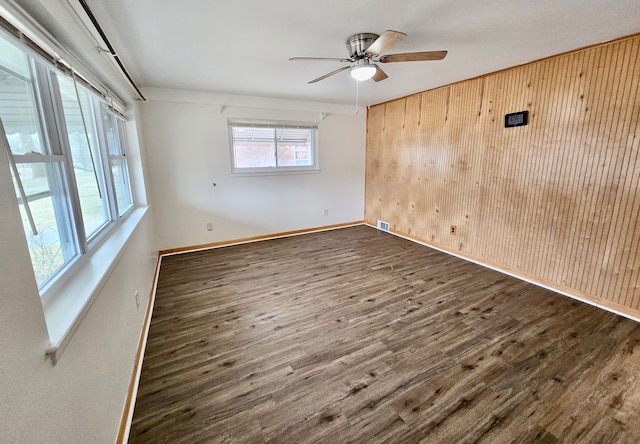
556, 200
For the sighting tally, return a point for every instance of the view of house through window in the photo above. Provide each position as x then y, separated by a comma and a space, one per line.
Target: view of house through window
269, 146
67, 156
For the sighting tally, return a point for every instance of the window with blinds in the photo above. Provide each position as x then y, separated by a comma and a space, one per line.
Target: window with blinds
259, 146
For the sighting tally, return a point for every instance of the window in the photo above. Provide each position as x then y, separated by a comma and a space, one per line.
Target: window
82, 136
115, 139
273, 146
67, 155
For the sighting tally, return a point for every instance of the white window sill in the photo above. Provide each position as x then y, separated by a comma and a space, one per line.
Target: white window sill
273, 173
64, 310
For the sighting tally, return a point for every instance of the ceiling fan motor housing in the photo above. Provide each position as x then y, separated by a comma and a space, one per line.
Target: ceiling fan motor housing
357, 44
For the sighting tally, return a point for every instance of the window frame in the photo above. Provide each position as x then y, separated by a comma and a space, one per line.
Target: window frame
105, 111
56, 151
274, 125
87, 240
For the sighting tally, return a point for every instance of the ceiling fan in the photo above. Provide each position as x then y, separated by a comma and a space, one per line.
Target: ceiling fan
367, 49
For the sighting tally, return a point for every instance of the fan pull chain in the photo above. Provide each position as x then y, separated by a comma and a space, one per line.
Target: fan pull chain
357, 95
369, 86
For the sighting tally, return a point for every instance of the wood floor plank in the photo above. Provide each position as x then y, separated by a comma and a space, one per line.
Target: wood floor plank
358, 336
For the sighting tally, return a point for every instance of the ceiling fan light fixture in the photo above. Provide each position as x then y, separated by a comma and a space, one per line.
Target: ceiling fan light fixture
363, 72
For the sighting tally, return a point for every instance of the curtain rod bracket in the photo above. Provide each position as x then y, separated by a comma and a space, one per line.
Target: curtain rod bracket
108, 51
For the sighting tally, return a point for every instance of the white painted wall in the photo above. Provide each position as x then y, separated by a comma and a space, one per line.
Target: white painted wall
188, 146
81, 399
186, 149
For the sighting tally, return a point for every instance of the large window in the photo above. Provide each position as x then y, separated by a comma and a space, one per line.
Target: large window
273, 146
68, 160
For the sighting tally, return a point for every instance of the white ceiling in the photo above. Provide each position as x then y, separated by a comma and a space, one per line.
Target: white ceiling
243, 46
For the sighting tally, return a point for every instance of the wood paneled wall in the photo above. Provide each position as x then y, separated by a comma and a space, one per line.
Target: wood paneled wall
555, 201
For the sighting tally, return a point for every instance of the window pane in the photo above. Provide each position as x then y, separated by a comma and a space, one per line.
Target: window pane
253, 147
114, 134
273, 145
294, 147
85, 154
18, 108
111, 130
54, 245
121, 184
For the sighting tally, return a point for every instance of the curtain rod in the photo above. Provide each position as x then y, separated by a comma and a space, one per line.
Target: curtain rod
112, 51
59, 64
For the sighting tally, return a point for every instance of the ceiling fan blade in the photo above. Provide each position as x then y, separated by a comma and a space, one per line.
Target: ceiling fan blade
379, 75
320, 59
413, 56
329, 75
384, 42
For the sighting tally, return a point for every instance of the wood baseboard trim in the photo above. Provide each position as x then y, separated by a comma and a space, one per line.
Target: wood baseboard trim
130, 400
612, 307
257, 238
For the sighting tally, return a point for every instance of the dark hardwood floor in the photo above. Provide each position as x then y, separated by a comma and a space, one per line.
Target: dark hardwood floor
355, 335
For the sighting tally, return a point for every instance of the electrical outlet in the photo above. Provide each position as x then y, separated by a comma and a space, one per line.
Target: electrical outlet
209, 226
453, 230
326, 211
137, 296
